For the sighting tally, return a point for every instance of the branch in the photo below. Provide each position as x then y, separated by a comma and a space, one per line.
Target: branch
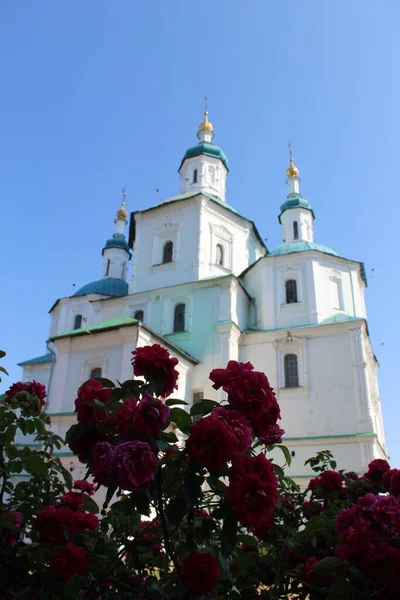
167, 542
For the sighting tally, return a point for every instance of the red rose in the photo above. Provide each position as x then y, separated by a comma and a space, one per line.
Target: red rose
85, 408
8, 536
238, 424
311, 509
156, 365
392, 479
83, 521
212, 442
250, 393
84, 486
331, 481
51, 523
272, 435
25, 401
357, 538
252, 492
70, 561
150, 415
308, 569
200, 573
133, 465
102, 453
72, 500
123, 417
376, 469
382, 563
346, 517
83, 445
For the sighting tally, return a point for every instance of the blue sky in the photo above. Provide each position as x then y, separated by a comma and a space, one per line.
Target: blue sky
98, 95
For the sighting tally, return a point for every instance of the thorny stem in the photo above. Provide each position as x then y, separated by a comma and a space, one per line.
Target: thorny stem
168, 546
4, 474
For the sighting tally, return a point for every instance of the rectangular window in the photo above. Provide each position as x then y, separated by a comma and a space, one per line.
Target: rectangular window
336, 293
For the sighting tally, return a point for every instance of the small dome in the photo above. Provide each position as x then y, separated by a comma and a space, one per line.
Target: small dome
206, 125
122, 213
292, 170
117, 241
105, 287
208, 150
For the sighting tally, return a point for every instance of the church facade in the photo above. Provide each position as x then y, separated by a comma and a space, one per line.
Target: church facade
204, 285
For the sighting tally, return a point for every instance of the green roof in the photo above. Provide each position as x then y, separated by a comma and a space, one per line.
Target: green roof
208, 150
105, 325
303, 246
38, 360
117, 241
106, 287
338, 318
295, 202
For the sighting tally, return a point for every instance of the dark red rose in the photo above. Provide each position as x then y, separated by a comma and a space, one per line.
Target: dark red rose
125, 412
133, 465
239, 425
357, 538
382, 563
84, 486
85, 408
273, 435
331, 481
70, 561
26, 401
250, 549
346, 517
8, 536
392, 479
102, 453
51, 523
250, 393
311, 509
212, 442
200, 573
83, 445
376, 469
72, 500
308, 569
252, 492
352, 475
313, 484
150, 415
83, 521
156, 365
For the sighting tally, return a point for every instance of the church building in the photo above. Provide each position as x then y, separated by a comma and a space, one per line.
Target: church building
203, 285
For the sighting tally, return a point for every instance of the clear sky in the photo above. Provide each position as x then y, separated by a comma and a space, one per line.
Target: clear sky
101, 94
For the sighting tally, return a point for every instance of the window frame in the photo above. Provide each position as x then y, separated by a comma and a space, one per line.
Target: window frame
139, 310
95, 368
292, 378
195, 176
294, 292
176, 317
295, 230
108, 267
78, 316
220, 261
168, 244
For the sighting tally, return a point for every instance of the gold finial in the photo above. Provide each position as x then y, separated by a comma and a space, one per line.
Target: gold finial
292, 170
122, 213
206, 125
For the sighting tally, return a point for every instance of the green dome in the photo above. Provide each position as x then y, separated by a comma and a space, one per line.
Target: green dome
303, 246
208, 150
106, 287
296, 202
117, 241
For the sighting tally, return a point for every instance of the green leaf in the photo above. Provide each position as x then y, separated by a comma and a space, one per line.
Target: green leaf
142, 502
176, 510
34, 464
249, 540
320, 525
90, 505
72, 588
10, 434
203, 407
30, 426
216, 484
2, 354
168, 436
12, 452
228, 535
286, 454
15, 466
173, 401
329, 564
279, 472
3, 370
181, 418
105, 382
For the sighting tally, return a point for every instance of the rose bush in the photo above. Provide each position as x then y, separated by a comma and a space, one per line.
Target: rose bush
194, 501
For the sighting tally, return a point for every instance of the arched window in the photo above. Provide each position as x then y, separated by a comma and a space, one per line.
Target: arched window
95, 372
167, 252
291, 371
220, 255
195, 176
78, 322
295, 230
179, 318
139, 315
291, 291
108, 266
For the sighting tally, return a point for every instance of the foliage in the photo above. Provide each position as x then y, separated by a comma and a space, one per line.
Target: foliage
192, 504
